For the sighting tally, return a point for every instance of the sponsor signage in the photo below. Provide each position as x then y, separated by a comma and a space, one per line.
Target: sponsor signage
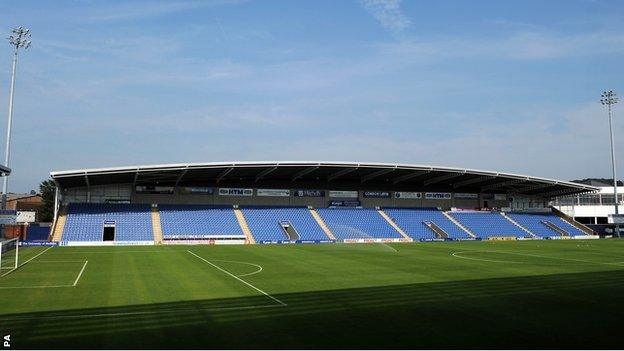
616, 219
487, 196
37, 243
197, 190
8, 217
407, 195
309, 193
344, 203
343, 194
25, 216
466, 196
438, 196
150, 189
377, 194
235, 192
500, 197
273, 192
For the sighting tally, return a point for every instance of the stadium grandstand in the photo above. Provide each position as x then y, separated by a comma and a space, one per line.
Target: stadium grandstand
306, 202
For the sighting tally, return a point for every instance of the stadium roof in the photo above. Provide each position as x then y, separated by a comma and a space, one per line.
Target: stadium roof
322, 175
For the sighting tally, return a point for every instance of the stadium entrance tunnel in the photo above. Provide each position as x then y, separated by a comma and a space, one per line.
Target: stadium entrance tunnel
290, 231
109, 233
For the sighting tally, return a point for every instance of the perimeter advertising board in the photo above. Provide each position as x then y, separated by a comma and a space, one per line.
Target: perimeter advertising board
273, 192
309, 193
438, 196
235, 192
343, 194
376, 194
407, 195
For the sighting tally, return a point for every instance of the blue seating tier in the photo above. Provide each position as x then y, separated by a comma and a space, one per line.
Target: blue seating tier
85, 222
488, 224
357, 223
264, 223
534, 223
198, 221
411, 220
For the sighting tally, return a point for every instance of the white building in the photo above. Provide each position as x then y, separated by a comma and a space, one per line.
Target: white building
592, 208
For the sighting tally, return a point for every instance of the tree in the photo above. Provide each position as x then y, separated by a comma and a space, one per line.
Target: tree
47, 188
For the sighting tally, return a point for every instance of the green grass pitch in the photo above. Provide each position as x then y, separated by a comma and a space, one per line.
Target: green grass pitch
533, 294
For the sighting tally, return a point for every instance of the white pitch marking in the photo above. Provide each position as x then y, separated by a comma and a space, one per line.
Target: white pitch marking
39, 254
80, 261
239, 279
457, 254
532, 255
246, 274
80, 274
36, 287
97, 315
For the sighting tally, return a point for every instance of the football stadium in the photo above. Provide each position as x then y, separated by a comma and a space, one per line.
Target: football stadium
460, 194
311, 255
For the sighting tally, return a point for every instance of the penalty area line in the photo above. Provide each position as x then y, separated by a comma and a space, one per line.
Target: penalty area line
80, 274
239, 279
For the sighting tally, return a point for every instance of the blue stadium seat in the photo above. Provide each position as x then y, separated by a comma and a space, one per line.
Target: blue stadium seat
488, 224
85, 222
198, 221
411, 220
534, 223
357, 223
264, 223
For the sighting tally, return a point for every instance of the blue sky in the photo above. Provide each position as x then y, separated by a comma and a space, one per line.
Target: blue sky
498, 85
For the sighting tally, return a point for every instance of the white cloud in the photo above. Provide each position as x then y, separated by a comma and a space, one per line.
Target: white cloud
388, 13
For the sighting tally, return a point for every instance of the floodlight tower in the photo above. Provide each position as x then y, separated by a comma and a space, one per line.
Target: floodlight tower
19, 38
608, 99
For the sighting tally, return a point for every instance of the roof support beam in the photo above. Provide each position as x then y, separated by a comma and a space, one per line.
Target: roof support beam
180, 177
303, 173
377, 174
136, 176
224, 173
87, 181
473, 181
503, 184
265, 173
341, 173
410, 176
442, 178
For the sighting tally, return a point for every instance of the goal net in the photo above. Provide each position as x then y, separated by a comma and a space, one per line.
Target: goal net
9, 254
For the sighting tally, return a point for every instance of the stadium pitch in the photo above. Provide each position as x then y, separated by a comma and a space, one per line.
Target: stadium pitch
533, 294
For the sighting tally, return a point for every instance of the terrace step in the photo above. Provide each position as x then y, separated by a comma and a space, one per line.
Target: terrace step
244, 226
59, 225
556, 228
322, 224
517, 224
394, 225
461, 226
439, 232
156, 225
582, 227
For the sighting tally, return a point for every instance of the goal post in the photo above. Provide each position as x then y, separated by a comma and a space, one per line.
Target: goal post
9, 254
